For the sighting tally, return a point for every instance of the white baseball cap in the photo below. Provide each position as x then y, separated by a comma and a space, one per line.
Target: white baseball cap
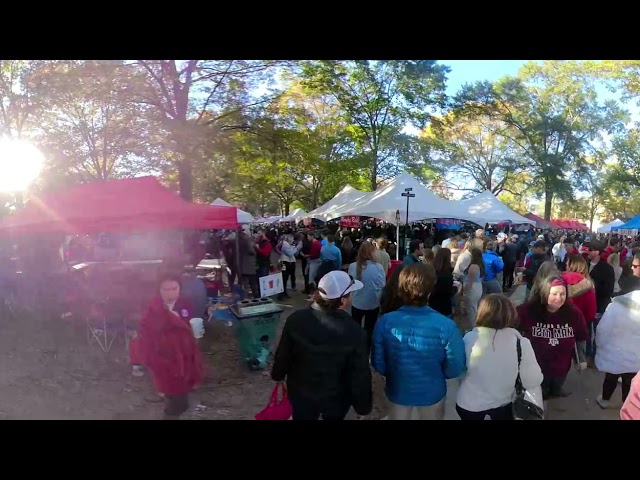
337, 284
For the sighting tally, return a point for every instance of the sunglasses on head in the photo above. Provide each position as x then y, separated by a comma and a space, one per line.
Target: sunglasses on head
352, 283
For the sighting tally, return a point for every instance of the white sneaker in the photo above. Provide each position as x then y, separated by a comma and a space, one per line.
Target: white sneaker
137, 371
602, 402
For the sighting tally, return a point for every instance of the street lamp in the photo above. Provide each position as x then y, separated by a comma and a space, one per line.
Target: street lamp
20, 164
407, 193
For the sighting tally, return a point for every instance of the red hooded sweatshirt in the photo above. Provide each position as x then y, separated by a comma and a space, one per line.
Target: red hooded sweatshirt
582, 294
169, 350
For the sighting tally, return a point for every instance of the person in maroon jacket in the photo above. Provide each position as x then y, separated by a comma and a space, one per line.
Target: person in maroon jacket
556, 330
263, 254
313, 259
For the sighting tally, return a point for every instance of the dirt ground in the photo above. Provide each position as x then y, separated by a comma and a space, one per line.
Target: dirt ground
51, 372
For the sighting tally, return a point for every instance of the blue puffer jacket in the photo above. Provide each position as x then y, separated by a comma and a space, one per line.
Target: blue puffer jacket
417, 349
493, 265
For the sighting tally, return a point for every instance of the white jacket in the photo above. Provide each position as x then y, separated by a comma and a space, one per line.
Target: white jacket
492, 369
618, 336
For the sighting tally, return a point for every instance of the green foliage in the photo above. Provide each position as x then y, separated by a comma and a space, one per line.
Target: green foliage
551, 112
378, 98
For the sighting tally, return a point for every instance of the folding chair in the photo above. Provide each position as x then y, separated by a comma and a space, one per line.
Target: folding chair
99, 329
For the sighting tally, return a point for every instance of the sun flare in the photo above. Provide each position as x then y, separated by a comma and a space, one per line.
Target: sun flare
20, 164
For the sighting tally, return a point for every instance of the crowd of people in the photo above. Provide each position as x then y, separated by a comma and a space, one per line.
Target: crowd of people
416, 345
443, 313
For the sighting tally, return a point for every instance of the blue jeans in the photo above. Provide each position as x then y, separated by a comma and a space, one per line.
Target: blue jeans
263, 271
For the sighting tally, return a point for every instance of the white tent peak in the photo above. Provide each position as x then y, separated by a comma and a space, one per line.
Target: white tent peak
342, 200
487, 206
295, 216
243, 217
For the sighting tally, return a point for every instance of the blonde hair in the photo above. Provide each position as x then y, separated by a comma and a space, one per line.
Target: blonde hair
469, 245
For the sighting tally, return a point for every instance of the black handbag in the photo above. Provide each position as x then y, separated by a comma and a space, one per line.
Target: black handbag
522, 407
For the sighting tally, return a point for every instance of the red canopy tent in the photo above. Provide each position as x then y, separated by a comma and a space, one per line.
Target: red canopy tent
540, 222
123, 205
569, 224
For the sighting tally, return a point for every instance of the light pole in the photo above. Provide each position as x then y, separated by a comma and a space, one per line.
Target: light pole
407, 193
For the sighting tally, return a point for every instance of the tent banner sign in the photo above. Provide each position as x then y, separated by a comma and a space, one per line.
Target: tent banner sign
628, 233
448, 224
350, 222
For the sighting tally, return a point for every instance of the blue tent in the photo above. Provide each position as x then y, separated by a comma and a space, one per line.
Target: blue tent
634, 223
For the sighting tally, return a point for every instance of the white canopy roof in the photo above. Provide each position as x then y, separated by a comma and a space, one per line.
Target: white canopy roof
243, 217
272, 219
607, 228
340, 201
295, 216
486, 207
384, 202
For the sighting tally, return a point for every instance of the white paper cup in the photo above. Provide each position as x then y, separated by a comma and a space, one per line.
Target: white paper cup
197, 326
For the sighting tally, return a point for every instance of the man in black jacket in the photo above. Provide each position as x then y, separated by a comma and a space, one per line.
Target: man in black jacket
604, 279
323, 355
602, 275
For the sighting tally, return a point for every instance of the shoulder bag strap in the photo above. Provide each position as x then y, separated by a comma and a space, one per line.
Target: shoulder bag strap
519, 387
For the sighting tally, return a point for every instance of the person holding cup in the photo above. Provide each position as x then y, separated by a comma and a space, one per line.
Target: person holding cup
168, 348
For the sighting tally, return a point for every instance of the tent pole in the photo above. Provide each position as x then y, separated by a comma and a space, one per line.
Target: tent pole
238, 271
397, 235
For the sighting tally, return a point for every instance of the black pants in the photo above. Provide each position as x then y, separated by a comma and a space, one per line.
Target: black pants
370, 319
500, 413
289, 272
234, 274
307, 409
305, 274
551, 387
611, 382
175, 405
507, 275
252, 282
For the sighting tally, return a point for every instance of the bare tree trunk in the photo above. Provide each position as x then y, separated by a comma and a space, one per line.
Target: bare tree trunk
185, 178
374, 170
548, 200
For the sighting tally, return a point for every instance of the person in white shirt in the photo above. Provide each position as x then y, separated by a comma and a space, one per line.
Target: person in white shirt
492, 363
559, 251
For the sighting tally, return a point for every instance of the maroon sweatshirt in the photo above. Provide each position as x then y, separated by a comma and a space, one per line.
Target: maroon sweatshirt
553, 338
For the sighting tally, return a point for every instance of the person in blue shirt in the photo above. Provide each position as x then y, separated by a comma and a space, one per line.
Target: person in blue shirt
493, 265
417, 349
330, 258
366, 301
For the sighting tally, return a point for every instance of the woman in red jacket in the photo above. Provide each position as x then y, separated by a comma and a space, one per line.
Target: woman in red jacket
582, 293
168, 347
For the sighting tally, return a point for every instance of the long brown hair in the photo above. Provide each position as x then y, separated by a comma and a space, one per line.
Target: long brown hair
497, 311
390, 301
539, 297
365, 252
442, 262
476, 259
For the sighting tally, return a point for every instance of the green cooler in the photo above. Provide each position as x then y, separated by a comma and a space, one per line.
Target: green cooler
256, 329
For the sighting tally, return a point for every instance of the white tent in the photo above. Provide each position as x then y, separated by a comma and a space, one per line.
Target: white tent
488, 209
269, 220
295, 216
384, 202
607, 228
343, 199
243, 217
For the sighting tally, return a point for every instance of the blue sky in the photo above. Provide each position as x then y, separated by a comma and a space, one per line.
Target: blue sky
469, 71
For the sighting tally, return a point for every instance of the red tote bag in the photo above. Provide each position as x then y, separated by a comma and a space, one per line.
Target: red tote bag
277, 409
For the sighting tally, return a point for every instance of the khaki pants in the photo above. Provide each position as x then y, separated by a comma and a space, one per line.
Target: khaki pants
432, 412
